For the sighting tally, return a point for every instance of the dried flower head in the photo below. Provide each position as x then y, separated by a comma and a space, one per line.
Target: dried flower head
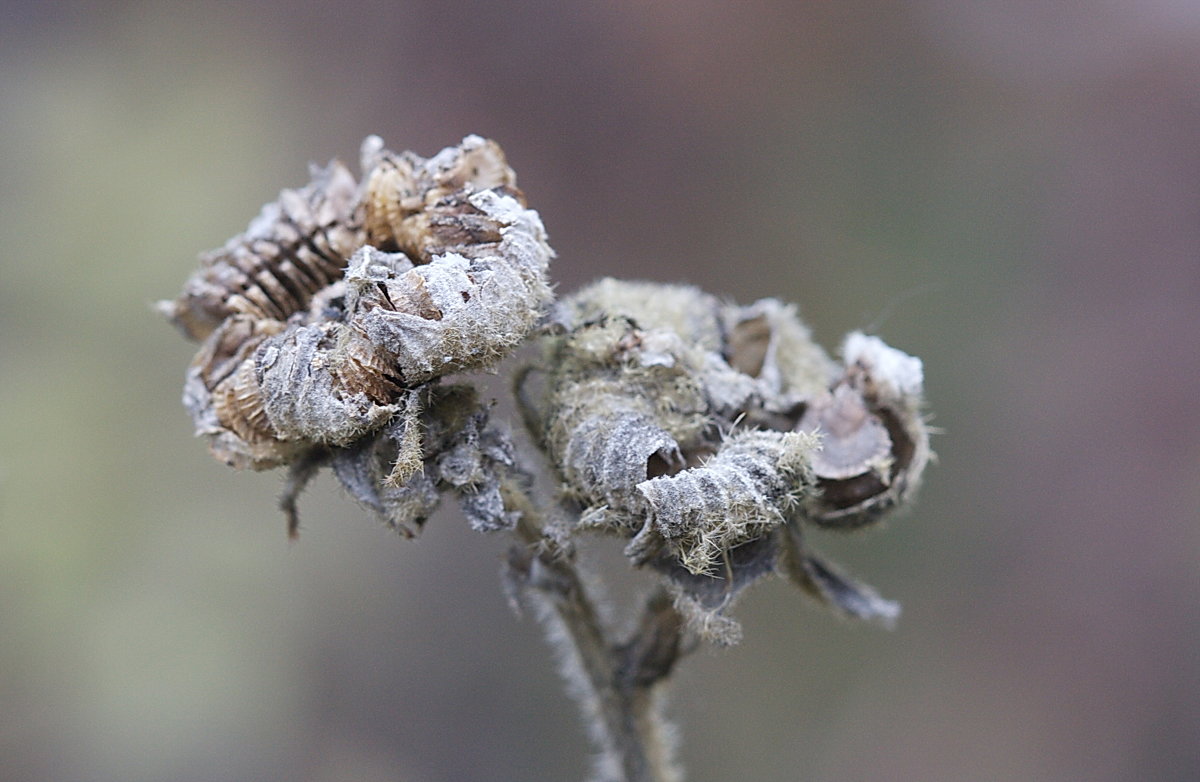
705, 433
295, 359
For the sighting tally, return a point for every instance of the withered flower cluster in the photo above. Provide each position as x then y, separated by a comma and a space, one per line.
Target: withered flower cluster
326, 324
708, 436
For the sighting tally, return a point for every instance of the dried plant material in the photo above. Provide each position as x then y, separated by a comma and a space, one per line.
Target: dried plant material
768, 342
618, 404
824, 582
698, 429
702, 598
221, 393
332, 381
704, 435
419, 206
875, 444
640, 387
739, 495
442, 442
468, 289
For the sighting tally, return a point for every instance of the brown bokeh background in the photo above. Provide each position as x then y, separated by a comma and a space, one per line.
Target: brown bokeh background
1011, 192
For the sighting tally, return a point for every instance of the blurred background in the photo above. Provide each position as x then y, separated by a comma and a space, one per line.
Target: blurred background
1010, 191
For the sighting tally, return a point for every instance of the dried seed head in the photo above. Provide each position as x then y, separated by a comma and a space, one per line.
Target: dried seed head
699, 430
641, 385
343, 345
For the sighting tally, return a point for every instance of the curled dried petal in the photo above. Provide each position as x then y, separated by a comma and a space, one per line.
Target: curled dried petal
737, 496
875, 444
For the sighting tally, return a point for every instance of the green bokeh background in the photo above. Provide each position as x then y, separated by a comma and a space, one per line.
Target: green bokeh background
1010, 192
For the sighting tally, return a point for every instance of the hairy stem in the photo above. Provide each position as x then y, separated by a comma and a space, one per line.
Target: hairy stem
616, 684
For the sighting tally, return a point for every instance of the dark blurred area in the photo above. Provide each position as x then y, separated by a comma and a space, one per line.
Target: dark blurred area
1010, 191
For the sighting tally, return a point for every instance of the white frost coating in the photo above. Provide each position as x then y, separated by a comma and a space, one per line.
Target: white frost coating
415, 323
894, 371
501, 208
370, 152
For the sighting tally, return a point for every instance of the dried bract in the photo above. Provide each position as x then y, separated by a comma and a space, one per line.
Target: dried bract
441, 442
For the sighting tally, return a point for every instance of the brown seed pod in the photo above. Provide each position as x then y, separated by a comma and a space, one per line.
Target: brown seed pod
296, 246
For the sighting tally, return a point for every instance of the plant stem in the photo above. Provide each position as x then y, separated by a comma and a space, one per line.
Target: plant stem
616, 684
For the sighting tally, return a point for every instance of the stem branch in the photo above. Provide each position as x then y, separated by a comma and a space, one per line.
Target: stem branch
616, 684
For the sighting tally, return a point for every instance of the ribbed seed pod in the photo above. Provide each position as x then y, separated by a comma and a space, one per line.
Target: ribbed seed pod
296, 246
221, 392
